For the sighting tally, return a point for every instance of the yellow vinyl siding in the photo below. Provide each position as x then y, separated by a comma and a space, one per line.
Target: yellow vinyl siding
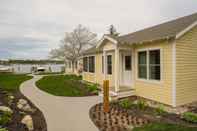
186, 68
109, 46
99, 74
90, 77
161, 92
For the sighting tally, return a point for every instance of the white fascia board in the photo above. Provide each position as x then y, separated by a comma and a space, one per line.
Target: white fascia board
108, 38
186, 30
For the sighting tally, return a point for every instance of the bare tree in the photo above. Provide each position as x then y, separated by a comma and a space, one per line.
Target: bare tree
74, 43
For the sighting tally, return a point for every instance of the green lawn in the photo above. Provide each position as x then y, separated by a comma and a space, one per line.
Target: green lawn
11, 82
66, 85
164, 127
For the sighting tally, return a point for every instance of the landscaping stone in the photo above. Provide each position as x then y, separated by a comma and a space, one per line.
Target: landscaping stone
23, 105
11, 97
6, 109
27, 120
22, 101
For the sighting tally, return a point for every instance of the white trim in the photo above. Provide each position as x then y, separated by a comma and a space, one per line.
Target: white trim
108, 50
174, 74
186, 30
104, 65
108, 38
160, 82
117, 69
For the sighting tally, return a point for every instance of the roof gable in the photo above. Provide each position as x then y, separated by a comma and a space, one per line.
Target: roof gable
106, 37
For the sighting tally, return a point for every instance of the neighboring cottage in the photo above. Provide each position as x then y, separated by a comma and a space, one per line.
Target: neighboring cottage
74, 68
158, 63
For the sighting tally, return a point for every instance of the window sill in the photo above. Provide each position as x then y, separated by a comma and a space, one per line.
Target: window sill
159, 82
89, 72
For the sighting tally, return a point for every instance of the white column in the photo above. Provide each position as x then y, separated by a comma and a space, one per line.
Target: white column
105, 65
117, 69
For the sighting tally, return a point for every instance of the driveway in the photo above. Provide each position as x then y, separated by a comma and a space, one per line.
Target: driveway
61, 113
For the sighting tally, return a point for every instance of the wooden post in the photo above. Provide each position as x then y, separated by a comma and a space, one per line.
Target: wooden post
106, 96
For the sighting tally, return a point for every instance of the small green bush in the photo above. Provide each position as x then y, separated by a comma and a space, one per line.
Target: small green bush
141, 104
190, 116
164, 127
5, 117
160, 110
92, 87
126, 103
3, 129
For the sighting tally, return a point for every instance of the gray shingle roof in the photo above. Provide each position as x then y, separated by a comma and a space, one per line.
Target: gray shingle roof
161, 31
158, 32
91, 50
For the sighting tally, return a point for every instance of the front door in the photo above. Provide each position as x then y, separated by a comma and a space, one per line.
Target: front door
127, 69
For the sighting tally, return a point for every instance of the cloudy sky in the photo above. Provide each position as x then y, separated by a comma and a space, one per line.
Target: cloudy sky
31, 28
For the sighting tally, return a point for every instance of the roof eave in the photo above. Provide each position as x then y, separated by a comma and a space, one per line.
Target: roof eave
151, 41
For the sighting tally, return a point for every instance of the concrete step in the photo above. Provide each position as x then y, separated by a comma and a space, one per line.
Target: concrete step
117, 95
126, 93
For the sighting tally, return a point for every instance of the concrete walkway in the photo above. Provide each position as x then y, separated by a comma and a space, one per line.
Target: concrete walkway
61, 113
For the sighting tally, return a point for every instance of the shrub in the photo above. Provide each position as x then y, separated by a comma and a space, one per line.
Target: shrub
73, 77
190, 116
126, 103
141, 104
160, 110
5, 117
3, 129
164, 127
92, 87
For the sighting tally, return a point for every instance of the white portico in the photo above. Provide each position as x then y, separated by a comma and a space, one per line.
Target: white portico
117, 64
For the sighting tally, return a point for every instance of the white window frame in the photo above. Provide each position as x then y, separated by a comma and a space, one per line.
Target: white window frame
148, 61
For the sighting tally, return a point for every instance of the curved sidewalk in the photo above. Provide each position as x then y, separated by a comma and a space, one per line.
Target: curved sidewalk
61, 113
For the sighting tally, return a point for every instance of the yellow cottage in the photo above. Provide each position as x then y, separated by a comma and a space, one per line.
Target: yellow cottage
158, 63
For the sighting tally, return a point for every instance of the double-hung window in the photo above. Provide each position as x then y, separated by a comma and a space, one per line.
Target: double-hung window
149, 64
109, 64
85, 64
102, 64
89, 64
154, 65
142, 65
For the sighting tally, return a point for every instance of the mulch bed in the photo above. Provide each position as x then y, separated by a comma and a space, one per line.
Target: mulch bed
15, 124
120, 119
116, 119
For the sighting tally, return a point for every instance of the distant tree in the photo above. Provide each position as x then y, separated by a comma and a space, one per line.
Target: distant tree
74, 43
113, 31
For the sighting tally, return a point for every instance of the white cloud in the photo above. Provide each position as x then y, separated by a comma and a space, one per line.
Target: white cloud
42, 23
